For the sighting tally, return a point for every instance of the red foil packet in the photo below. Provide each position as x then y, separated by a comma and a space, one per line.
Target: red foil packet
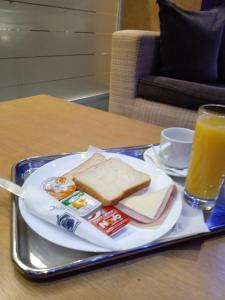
109, 220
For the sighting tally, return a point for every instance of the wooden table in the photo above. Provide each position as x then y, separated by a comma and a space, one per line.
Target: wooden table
43, 125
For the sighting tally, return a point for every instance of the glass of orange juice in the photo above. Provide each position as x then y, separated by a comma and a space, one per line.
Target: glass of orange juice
207, 163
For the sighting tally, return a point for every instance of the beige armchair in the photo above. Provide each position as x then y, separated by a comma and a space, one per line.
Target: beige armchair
135, 55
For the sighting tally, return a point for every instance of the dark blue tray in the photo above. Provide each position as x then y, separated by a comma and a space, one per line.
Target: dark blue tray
40, 259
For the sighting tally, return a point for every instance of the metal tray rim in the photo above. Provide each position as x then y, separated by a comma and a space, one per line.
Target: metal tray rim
98, 259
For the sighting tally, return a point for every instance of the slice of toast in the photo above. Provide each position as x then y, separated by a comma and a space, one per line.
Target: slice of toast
95, 159
111, 180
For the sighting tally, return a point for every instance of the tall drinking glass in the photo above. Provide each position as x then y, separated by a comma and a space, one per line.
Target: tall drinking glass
207, 164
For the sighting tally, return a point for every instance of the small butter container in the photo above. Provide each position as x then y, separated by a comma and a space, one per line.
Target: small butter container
59, 187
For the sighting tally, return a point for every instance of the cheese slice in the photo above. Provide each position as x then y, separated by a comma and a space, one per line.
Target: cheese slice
149, 205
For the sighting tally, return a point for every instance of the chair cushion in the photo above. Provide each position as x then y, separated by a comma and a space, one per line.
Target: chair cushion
206, 4
190, 42
221, 62
181, 93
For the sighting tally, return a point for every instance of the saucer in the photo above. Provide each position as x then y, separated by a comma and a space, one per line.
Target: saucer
150, 157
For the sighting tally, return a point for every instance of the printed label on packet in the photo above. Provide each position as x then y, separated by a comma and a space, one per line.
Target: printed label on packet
109, 220
82, 203
67, 222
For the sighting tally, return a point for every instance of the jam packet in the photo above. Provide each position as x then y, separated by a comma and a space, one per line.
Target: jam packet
110, 220
83, 203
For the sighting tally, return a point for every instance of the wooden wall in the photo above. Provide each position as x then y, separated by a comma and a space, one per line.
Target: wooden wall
143, 14
58, 47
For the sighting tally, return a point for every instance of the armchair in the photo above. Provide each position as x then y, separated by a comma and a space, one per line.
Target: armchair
134, 61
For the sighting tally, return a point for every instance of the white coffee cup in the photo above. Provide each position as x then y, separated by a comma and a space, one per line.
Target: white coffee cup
175, 146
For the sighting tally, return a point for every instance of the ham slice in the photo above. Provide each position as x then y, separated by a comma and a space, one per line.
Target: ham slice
149, 209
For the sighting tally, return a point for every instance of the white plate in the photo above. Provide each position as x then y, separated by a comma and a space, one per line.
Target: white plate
129, 238
149, 158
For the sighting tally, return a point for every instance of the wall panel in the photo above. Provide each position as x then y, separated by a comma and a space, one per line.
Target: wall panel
35, 43
61, 45
88, 5
40, 69
70, 88
23, 16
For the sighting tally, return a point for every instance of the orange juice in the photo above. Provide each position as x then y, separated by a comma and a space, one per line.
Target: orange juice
207, 164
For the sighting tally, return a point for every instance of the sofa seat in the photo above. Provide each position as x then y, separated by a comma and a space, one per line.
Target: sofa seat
180, 93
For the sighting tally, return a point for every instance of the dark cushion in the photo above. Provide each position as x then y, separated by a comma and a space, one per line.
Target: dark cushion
206, 4
190, 42
221, 61
181, 93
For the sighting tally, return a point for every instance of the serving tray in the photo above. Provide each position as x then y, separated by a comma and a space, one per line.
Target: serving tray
39, 259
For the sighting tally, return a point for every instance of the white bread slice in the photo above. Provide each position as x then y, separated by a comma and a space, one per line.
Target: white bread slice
95, 159
111, 181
